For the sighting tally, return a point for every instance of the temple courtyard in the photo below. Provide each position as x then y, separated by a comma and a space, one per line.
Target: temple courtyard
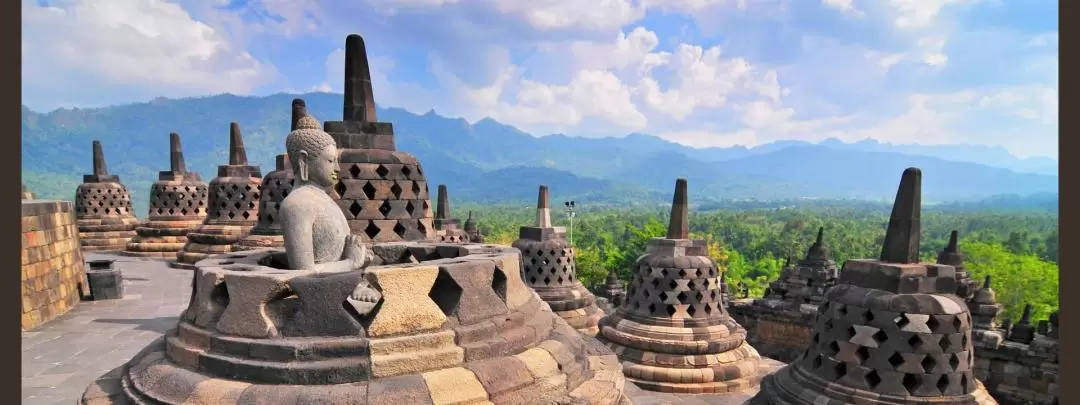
62, 357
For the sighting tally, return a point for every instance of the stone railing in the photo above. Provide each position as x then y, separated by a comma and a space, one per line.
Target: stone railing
53, 274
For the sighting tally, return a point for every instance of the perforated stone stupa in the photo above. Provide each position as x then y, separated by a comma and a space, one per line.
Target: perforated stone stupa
673, 333
447, 229
177, 206
807, 281
233, 206
892, 331
103, 209
548, 266
382, 191
951, 255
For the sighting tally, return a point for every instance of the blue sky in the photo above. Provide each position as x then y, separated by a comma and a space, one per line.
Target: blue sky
697, 72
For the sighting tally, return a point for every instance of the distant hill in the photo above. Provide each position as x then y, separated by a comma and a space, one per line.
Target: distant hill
492, 162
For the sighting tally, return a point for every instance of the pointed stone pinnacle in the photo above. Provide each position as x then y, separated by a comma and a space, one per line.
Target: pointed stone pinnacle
442, 205
359, 97
176, 154
787, 261
986, 282
953, 237
299, 110
237, 154
1025, 318
543, 207
902, 237
820, 235
100, 169
679, 228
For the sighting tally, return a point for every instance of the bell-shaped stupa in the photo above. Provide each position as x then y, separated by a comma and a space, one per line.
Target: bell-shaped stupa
673, 333
103, 211
232, 210
177, 206
549, 267
892, 331
382, 192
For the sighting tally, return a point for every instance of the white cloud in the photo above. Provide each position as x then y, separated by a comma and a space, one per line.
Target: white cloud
77, 48
932, 50
912, 14
845, 6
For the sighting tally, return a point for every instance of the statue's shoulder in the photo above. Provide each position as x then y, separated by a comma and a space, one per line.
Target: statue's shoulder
298, 200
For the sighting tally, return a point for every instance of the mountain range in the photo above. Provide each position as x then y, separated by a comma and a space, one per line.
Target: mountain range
490, 162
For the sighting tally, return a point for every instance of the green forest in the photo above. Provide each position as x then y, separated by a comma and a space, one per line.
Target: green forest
1018, 249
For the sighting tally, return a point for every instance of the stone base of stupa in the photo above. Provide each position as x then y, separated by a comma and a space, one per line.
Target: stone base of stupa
454, 325
160, 239
112, 234
575, 305
208, 240
686, 360
255, 241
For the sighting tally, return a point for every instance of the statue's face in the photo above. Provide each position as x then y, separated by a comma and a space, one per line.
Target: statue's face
322, 166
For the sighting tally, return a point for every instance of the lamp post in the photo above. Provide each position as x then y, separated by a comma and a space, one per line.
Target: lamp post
570, 214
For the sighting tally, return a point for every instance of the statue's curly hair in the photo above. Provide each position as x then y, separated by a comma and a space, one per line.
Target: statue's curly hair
307, 137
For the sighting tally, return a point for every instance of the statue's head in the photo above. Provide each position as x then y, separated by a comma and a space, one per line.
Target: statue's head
312, 153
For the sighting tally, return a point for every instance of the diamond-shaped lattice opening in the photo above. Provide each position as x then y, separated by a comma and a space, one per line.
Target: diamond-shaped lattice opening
867, 317
663, 272
410, 208
670, 310
547, 280
498, 284
964, 340
708, 309
842, 310
956, 323
928, 363
841, 370
862, 353
406, 171
372, 230
691, 310
246, 215
851, 332
699, 296
339, 188
446, 293
231, 215
416, 189
656, 283
911, 382
369, 191
933, 323
681, 297
915, 342
834, 348
954, 361
945, 343
354, 170
396, 189
384, 208
421, 228
901, 321
355, 208
682, 272
943, 383
872, 379
382, 171
964, 383
652, 308
896, 360
880, 337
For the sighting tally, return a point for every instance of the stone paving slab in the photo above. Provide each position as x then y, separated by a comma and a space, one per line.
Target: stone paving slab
62, 357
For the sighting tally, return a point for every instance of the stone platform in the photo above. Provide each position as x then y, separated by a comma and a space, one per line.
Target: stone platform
62, 357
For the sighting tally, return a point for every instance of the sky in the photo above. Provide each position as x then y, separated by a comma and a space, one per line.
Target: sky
698, 72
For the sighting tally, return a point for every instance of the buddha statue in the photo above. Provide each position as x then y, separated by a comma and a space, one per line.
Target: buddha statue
316, 233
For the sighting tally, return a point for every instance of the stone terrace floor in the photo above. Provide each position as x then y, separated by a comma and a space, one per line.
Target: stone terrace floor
63, 356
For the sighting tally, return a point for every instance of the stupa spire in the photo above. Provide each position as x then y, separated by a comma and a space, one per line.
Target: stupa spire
543, 207
359, 97
679, 228
902, 237
237, 154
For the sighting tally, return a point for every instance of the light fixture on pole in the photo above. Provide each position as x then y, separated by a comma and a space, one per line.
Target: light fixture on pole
570, 214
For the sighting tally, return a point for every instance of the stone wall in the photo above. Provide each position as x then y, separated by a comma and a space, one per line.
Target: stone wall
777, 333
53, 273
1015, 374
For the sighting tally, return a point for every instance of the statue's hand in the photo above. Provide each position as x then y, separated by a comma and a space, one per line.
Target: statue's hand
356, 252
